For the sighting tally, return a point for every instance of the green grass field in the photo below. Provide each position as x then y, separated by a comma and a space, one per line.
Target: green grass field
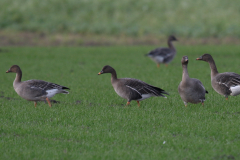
92, 123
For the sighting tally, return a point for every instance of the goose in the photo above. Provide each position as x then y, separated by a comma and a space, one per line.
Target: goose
132, 89
35, 90
191, 90
227, 83
164, 55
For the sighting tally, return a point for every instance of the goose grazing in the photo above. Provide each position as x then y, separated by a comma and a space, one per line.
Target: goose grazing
190, 89
163, 55
227, 83
132, 89
35, 90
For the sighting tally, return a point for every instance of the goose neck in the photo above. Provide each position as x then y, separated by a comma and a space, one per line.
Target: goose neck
185, 75
170, 45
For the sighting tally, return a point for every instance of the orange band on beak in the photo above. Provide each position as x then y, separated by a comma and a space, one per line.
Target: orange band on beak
99, 73
7, 71
198, 59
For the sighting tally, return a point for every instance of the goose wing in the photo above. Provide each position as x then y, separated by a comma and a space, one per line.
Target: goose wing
43, 85
141, 88
228, 79
163, 52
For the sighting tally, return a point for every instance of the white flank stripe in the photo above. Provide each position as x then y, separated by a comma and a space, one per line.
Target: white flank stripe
134, 89
235, 90
51, 93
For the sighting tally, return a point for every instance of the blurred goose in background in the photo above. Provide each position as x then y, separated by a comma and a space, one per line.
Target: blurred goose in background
163, 55
35, 90
190, 89
132, 89
227, 83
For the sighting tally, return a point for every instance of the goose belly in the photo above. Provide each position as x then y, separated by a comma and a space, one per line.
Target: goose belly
120, 93
235, 90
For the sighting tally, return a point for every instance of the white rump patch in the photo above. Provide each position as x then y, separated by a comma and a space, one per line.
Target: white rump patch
235, 90
51, 93
159, 59
145, 96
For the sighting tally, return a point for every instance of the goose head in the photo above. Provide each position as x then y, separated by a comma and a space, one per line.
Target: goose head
172, 38
184, 60
14, 69
106, 69
206, 57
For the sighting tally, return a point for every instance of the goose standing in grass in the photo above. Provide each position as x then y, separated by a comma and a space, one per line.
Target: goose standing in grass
227, 83
163, 55
132, 89
190, 89
35, 90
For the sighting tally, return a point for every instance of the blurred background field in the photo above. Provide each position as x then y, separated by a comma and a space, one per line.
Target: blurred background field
80, 22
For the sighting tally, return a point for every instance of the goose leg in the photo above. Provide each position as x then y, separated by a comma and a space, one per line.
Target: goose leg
203, 104
227, 98
138, 103
185, 103
166, 65
49, 103
35, 104
127, 104
158, 65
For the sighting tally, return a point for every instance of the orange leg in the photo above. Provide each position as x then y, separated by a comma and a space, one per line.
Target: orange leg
35, 104
158, 65
203, 104
166, 65
127, 103
138, 103
227, 98
49, 103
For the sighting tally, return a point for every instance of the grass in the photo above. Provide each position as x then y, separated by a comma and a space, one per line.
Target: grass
92, 123
201, 18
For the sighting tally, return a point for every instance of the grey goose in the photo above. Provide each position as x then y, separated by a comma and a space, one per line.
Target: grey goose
164, 55
35, 90
191, 90
227, 83
132, 89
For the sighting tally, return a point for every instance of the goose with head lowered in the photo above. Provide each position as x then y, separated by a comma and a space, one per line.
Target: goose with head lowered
227, 83
132, 89
191, 90
164, 55
35, 90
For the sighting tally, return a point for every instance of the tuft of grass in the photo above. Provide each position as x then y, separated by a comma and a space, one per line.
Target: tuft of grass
92, 123
200, 18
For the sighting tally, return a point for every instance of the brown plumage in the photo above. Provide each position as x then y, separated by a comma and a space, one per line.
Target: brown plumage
132, 89
164, 55
191, 90
227, 83
35, 90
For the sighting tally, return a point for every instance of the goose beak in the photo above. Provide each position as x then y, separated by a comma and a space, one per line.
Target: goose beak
8, 71
100, 73
186, 59
200, 58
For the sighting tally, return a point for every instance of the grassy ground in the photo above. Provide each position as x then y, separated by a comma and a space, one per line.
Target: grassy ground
92, 123
199, 18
